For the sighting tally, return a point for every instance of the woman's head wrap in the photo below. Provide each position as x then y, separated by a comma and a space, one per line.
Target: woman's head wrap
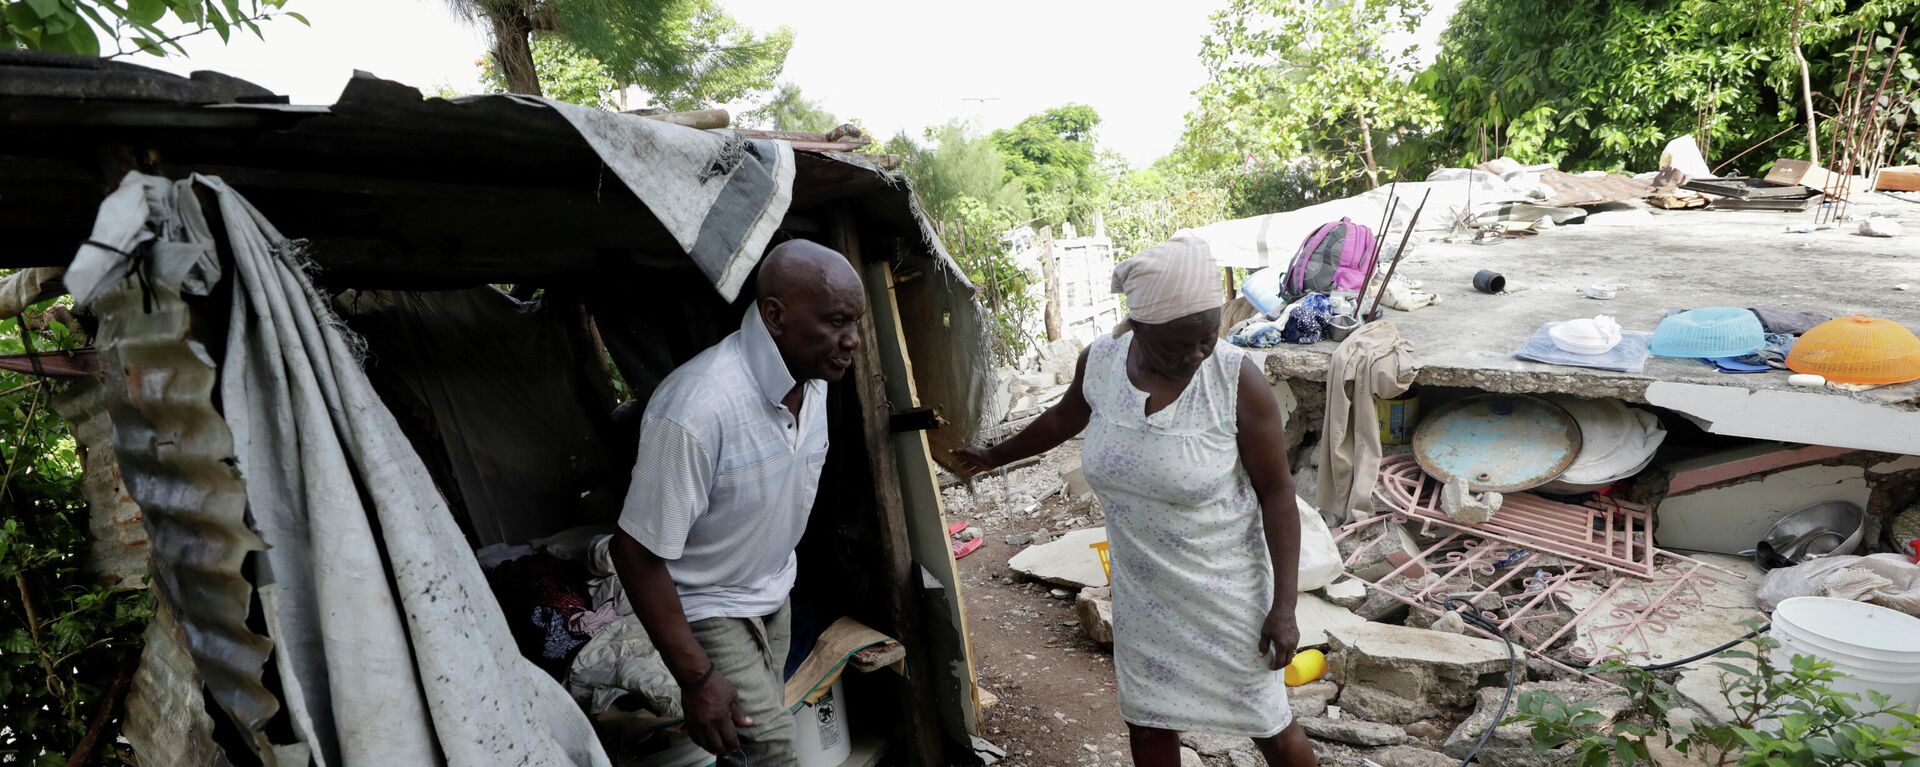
1168, 281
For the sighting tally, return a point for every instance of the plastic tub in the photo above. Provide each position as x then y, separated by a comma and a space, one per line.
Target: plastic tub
1850, 635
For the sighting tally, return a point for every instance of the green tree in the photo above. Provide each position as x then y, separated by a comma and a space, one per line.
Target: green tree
1146, 206
686, 54
789, 111
75, 26
66, 643
956, 163
566, 74
1308, 90
1052, 155
1598, 85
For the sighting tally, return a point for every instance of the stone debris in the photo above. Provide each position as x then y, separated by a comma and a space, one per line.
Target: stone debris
1401, 675
1067, 562
1354, 732
1426, 731
1374, 565
1412, 756
1468, 507
1211, 744
1095, 608
1190, 758
1316, 616
971, 533
1075, 480
1060, 594
1348, 593
1307, 708
1510, 742
1019, 539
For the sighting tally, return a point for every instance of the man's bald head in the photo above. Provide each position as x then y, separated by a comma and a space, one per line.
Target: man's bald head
811, 301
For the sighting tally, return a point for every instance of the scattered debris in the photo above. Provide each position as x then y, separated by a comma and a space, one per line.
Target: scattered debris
1019, 539
1348, 593
1066, 562
1401, 675
1412, 756
1879, 227
1189, 758
1095, 607
1210, 744
1516, 739
1316, 616
968, 534
1354, 732
1061, 594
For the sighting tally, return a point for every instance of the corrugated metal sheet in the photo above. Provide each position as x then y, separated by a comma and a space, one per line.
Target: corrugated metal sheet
167, 721
117, 553
176, 456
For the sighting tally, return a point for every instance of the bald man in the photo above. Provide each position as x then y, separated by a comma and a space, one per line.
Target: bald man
731, 447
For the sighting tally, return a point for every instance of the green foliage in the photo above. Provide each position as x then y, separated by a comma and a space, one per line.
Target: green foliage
975, 237
788, 110
76, 26
86, 634
1147, 206
1306, 96
1783, 717
1052, 156
566, 74
1595, 85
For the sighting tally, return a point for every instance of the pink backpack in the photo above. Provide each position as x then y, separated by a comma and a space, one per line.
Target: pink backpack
1335, 257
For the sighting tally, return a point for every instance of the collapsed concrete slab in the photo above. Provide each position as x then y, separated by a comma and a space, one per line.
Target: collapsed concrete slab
1401, 675
1316, 616
1067, 562
1354, 732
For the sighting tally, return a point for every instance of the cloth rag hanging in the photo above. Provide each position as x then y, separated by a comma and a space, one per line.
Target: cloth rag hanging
1373, 362
386, 640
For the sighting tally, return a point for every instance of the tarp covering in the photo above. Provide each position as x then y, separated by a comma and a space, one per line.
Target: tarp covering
502, 387
389, 646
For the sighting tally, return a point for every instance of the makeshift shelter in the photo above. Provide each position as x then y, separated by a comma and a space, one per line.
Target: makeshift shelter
322, 400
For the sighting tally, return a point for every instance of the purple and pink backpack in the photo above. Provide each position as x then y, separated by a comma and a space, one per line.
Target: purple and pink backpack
1335, 257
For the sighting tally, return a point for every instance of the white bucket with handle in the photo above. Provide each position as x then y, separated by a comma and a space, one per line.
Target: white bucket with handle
1873, 648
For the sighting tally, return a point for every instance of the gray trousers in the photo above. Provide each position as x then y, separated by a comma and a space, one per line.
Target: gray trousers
752, 653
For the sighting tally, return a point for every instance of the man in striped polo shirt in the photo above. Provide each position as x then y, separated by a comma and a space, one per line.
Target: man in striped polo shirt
729, 462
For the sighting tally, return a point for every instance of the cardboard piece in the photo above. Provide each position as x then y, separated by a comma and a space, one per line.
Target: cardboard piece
1788, 171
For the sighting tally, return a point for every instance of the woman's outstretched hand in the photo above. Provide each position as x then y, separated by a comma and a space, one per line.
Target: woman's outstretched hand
974, 460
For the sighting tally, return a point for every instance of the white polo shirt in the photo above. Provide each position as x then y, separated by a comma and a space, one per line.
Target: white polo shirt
726, 475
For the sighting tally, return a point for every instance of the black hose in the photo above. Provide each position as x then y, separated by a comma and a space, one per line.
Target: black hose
1704, 655
1471, 614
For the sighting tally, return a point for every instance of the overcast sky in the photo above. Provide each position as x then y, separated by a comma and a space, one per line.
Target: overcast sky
893, 64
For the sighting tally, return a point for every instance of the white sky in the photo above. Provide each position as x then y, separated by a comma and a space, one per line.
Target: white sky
893, 64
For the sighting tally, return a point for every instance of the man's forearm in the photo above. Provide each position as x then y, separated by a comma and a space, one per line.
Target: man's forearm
657, 604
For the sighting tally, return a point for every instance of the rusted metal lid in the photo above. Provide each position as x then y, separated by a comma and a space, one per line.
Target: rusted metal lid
1501, 443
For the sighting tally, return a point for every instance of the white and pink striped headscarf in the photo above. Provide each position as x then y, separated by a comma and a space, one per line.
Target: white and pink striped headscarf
1168, 281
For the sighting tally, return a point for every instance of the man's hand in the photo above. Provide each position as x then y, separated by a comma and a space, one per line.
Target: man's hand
974, 460
1279, 637
713, 715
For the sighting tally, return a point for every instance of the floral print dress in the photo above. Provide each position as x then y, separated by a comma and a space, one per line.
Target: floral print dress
1191, 578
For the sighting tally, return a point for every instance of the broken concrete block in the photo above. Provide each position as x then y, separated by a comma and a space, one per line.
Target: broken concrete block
1315, 616
1424, 671
1210, 744
1324, 690
1019, 539
1190, 758
1426, 731
1468, 507
1060, 594
1066, 562
1076, 481
1354, 732
1095, 608
1373, 565
1412, 756
1307, 708
1246, 757
1731, 518
1607, 700
1348, 593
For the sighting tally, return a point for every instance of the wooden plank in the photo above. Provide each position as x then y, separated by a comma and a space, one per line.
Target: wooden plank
921, 732
1904, 178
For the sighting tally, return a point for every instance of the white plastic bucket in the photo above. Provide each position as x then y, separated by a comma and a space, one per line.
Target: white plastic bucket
820, 736
1873, 648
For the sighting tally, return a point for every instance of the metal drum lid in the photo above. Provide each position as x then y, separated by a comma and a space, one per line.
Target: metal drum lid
1502, 443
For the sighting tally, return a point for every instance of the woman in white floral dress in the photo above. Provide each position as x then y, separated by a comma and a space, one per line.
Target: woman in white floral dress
1184, 449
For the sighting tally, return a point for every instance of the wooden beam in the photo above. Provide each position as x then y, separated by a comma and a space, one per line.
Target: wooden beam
921, 732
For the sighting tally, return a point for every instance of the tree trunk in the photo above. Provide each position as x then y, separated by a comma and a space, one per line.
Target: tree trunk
1806, 89
1051, 274
1366, 152
513, 50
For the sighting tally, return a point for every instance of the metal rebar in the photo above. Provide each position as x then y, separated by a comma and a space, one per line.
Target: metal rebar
1412, 223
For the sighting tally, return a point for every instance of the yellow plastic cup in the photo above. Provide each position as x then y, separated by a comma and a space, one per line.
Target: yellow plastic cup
1307, 667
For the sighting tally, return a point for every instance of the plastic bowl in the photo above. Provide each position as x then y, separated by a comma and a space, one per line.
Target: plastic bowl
1721, 331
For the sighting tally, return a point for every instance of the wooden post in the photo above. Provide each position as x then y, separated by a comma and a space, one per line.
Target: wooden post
921, 731
1051, 273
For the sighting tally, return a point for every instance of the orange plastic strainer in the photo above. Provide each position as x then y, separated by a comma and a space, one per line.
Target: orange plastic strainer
1858, 350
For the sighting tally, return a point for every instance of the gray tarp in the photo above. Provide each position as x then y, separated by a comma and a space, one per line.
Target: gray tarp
390, 646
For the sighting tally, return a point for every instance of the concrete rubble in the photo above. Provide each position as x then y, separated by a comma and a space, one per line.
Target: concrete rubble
1354, 732
1068, 562
1412, 756
1316, 616
1095, 608
1401, 675
1513, 743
